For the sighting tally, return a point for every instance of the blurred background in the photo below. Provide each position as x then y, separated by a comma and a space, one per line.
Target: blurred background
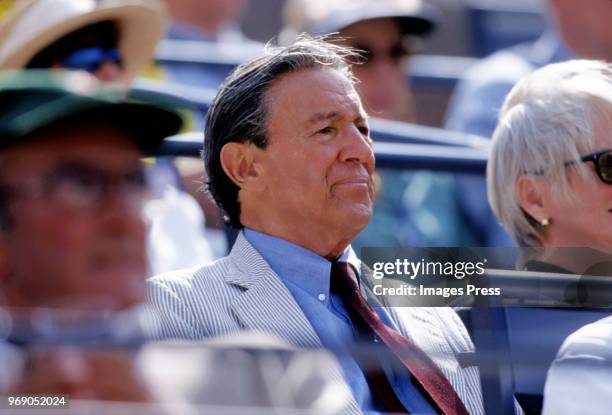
431, 149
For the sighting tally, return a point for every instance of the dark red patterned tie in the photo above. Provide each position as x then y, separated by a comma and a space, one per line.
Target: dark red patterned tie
423, 370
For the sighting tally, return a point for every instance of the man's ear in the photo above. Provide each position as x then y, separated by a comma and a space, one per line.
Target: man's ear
533, 196
239, 161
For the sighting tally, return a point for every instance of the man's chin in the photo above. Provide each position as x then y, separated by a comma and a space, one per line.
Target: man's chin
358, 216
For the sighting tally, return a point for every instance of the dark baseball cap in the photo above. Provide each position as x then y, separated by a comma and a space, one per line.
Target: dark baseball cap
35, 99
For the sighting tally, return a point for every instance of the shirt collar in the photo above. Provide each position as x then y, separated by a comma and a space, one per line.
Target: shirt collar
296, 265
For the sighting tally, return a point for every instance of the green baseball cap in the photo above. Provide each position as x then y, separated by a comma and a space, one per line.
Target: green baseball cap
33, 99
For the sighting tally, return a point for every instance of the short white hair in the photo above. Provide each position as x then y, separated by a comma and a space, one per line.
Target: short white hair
546, 120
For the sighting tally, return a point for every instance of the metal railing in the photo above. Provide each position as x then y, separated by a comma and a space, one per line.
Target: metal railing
393, 155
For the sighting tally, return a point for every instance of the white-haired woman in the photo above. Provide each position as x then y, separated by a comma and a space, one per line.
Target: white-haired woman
550, 184
550, 171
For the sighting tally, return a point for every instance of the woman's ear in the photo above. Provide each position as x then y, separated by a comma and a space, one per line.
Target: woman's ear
532, 196
239, 161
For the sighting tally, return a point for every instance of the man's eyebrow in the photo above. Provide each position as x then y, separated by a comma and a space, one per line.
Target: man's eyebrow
323, 116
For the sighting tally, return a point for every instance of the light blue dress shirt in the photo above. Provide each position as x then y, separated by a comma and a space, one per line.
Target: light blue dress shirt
307, 276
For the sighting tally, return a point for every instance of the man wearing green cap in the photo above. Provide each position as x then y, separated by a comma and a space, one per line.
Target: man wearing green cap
71, 189
72, 236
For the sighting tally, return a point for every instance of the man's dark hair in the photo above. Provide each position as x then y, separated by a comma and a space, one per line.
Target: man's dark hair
104, 34
239, 111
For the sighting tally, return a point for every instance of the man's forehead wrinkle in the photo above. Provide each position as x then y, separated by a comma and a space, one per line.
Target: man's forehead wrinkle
348, 105
324, 116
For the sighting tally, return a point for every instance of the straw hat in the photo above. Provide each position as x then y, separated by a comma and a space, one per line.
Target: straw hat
35, 24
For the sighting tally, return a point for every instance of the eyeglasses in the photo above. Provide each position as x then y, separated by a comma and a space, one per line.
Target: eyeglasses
91, 59
78, 186
603, 164
395, 53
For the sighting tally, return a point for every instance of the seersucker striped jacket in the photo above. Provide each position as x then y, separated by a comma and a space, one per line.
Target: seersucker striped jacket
241, 292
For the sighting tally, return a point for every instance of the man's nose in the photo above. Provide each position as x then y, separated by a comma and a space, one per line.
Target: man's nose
124, 209
358, 148
387, 68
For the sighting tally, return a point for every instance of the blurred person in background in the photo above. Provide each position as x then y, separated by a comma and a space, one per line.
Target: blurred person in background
208, 29
550, 185
206, 20
411, 208
72, 233
386, 32
113, 40
290, 161
573, 31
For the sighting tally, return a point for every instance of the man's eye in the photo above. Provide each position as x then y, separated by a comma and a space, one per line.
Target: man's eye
326, 130
77, 189
69, 182
364, 130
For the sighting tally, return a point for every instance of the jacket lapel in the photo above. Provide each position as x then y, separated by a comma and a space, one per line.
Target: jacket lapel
266, 304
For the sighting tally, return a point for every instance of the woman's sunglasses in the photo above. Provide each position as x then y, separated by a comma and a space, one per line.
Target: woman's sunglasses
91, 59
603, 164
395, 53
